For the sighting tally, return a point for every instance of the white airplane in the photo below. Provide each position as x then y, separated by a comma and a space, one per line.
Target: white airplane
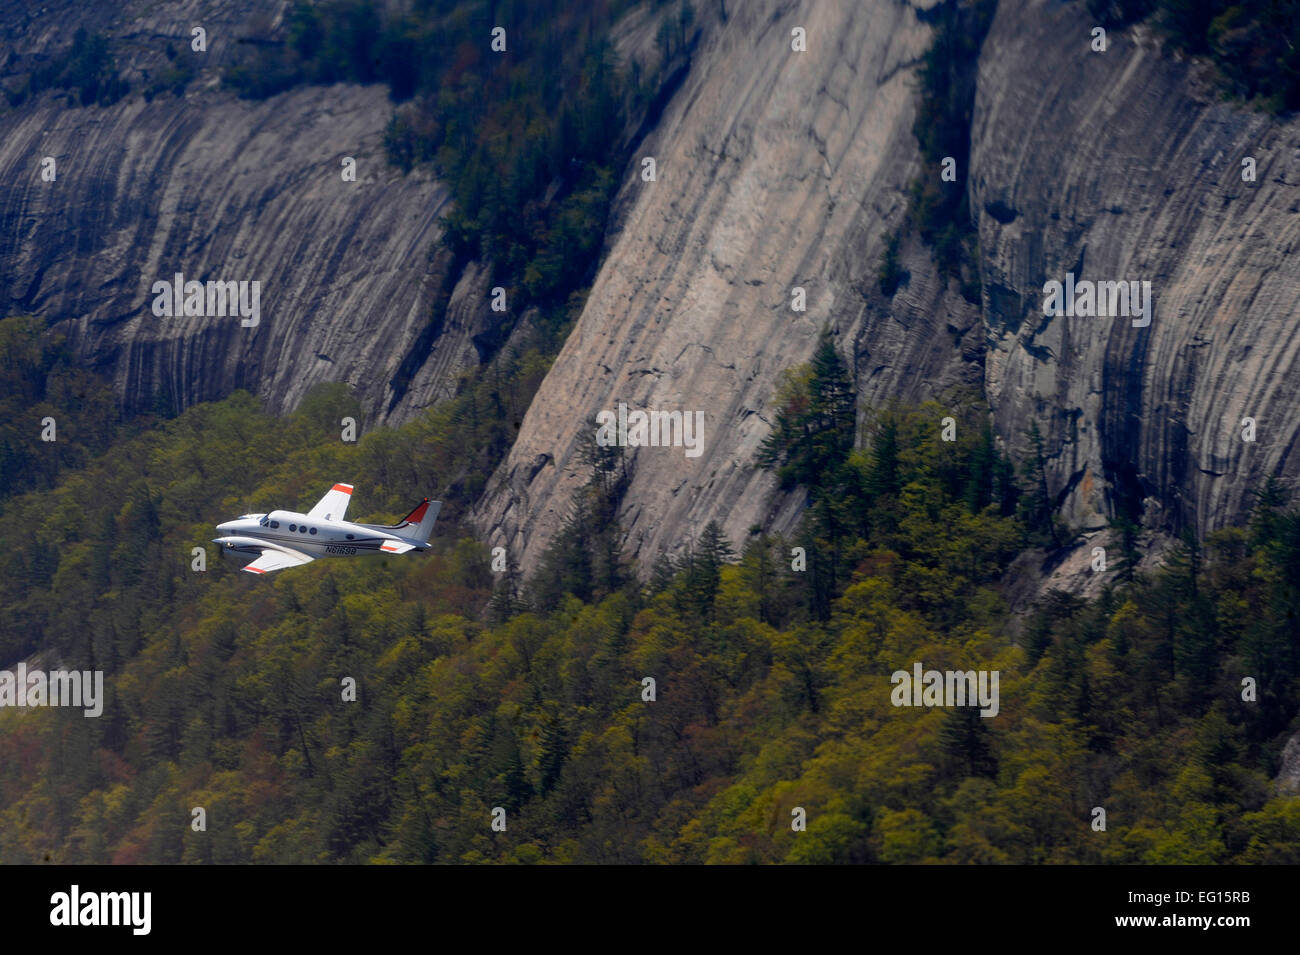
286, 538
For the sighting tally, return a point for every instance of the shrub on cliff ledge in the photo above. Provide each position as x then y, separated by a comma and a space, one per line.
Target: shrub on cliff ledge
87, 68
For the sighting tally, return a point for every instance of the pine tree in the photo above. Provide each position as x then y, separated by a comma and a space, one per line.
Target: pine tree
662, 573
882, 475
704, 571
1037, 509
553, 751
967, 743
759, 572
833, 409
816, 423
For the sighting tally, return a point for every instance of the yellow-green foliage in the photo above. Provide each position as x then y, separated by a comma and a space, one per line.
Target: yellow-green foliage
224, 691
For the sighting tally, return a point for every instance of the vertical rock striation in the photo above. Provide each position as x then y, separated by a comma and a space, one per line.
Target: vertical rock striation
224, 189
1127, 165
776, 169
780, 169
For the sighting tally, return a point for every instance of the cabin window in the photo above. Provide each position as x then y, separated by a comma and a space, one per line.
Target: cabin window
275, 523
303, 529
313, 530
293, 527
349, 537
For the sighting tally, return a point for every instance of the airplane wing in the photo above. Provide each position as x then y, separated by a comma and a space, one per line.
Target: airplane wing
277, 560
334, 504
395, 547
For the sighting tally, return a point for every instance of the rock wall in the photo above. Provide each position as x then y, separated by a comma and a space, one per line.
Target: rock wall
1127, 165
218, 188
775, 169
779, 169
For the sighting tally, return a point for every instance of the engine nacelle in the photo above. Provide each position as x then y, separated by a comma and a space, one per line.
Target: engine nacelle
243, 547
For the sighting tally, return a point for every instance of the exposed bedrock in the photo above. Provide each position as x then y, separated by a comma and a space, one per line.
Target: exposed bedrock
779, 169
218, 188
1127, 165
775, 169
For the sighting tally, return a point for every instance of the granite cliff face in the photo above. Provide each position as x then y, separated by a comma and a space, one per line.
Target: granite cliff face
1127, 165
779, 169
776, 169
222, 189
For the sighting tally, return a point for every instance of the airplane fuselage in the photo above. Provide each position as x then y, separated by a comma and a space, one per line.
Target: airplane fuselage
283, 539
291, 530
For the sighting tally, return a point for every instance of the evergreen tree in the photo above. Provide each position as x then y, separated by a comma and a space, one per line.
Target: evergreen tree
1037, 509
662, 572
704, 570
967, 744
760, 575
815, 423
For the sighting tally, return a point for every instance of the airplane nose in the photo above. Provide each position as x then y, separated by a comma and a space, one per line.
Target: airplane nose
229, 525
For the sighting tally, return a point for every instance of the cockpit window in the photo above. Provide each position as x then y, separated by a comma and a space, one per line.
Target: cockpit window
275, 523
263, 522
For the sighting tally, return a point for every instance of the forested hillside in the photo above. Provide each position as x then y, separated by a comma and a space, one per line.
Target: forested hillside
771, 683
687, 715
529, 142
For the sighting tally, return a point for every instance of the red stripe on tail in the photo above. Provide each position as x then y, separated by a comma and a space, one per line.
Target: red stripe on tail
417, 515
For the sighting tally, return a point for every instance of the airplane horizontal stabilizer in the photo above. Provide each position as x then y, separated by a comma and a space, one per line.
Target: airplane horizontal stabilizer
416, 526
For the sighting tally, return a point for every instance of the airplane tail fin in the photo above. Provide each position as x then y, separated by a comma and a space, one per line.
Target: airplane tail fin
418, 525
